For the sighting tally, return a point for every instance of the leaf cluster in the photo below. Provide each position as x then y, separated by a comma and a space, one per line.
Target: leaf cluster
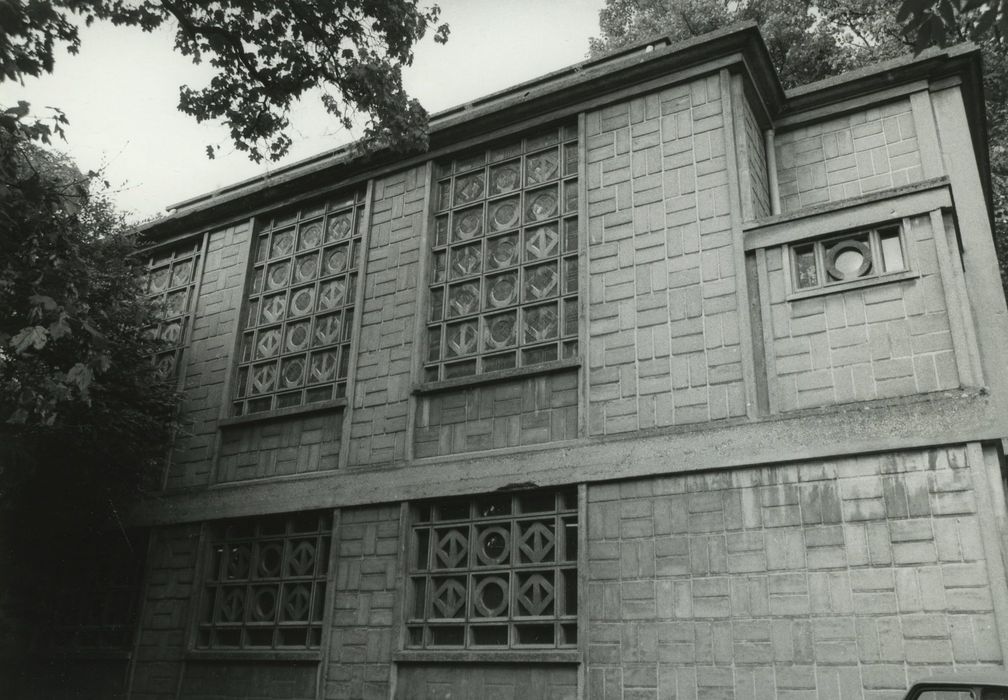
266, 54
84, 418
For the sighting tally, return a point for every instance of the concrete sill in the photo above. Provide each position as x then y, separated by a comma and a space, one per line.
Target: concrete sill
503, 656
320, 407
854, 284
243, 655
499, 376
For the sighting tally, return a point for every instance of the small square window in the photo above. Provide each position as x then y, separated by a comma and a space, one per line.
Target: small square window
847, 258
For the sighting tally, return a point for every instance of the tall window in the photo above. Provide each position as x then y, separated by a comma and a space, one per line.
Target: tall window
296, 345
504, 279
171, 284
265, 584
498, 571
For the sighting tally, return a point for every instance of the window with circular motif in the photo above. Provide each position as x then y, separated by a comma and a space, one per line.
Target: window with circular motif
296, 339
504, 273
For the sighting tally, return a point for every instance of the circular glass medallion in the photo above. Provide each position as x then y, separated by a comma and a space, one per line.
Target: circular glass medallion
265, 604
502, 252
302, 300
504, 215
293, 371
504, 178
491, 596
335, 260
306, 268
468, 224
493, 545
276, 278
297, 337
269, 559
500, 331
542, 206
503, 291
848, 260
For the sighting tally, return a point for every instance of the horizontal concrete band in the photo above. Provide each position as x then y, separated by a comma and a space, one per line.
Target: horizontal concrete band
925, 421
891, 205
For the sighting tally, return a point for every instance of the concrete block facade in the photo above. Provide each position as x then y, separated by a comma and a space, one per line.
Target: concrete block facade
845, 578
507, 414
864, 152
781, 492
867, 343
664, 344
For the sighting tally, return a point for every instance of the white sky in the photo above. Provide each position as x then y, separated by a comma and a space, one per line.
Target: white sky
121, 92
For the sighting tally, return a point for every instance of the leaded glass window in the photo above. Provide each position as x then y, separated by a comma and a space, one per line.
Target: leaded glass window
847, 258
504, 273
495, 572
295, 348
170, 282
265, 584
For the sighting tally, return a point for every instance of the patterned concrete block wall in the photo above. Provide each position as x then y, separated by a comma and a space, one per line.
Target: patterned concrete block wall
294, 445
848, 156
381, 398
262, 680
844, 578
366, 588
208, 358
527, 411
759, 189
875, 342
663, 318
496, 681
164, 624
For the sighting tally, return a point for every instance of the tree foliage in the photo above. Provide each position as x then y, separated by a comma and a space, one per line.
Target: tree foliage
266, 55
813, 39
82, 410
940, 22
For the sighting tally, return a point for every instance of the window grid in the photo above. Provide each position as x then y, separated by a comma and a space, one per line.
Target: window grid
295, 348
849, 257
494, 572
170, 282
504, 273
265, 584
99, 612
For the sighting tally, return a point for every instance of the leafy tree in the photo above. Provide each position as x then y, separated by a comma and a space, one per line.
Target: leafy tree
940, 22
85, 422
813, 39
266, 54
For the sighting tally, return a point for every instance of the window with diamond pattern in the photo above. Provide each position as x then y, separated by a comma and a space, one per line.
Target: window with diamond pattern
265, 584
296, 343
170, 282
494, 572
504, 277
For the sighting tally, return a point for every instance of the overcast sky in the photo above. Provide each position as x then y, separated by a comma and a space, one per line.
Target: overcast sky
121, 91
